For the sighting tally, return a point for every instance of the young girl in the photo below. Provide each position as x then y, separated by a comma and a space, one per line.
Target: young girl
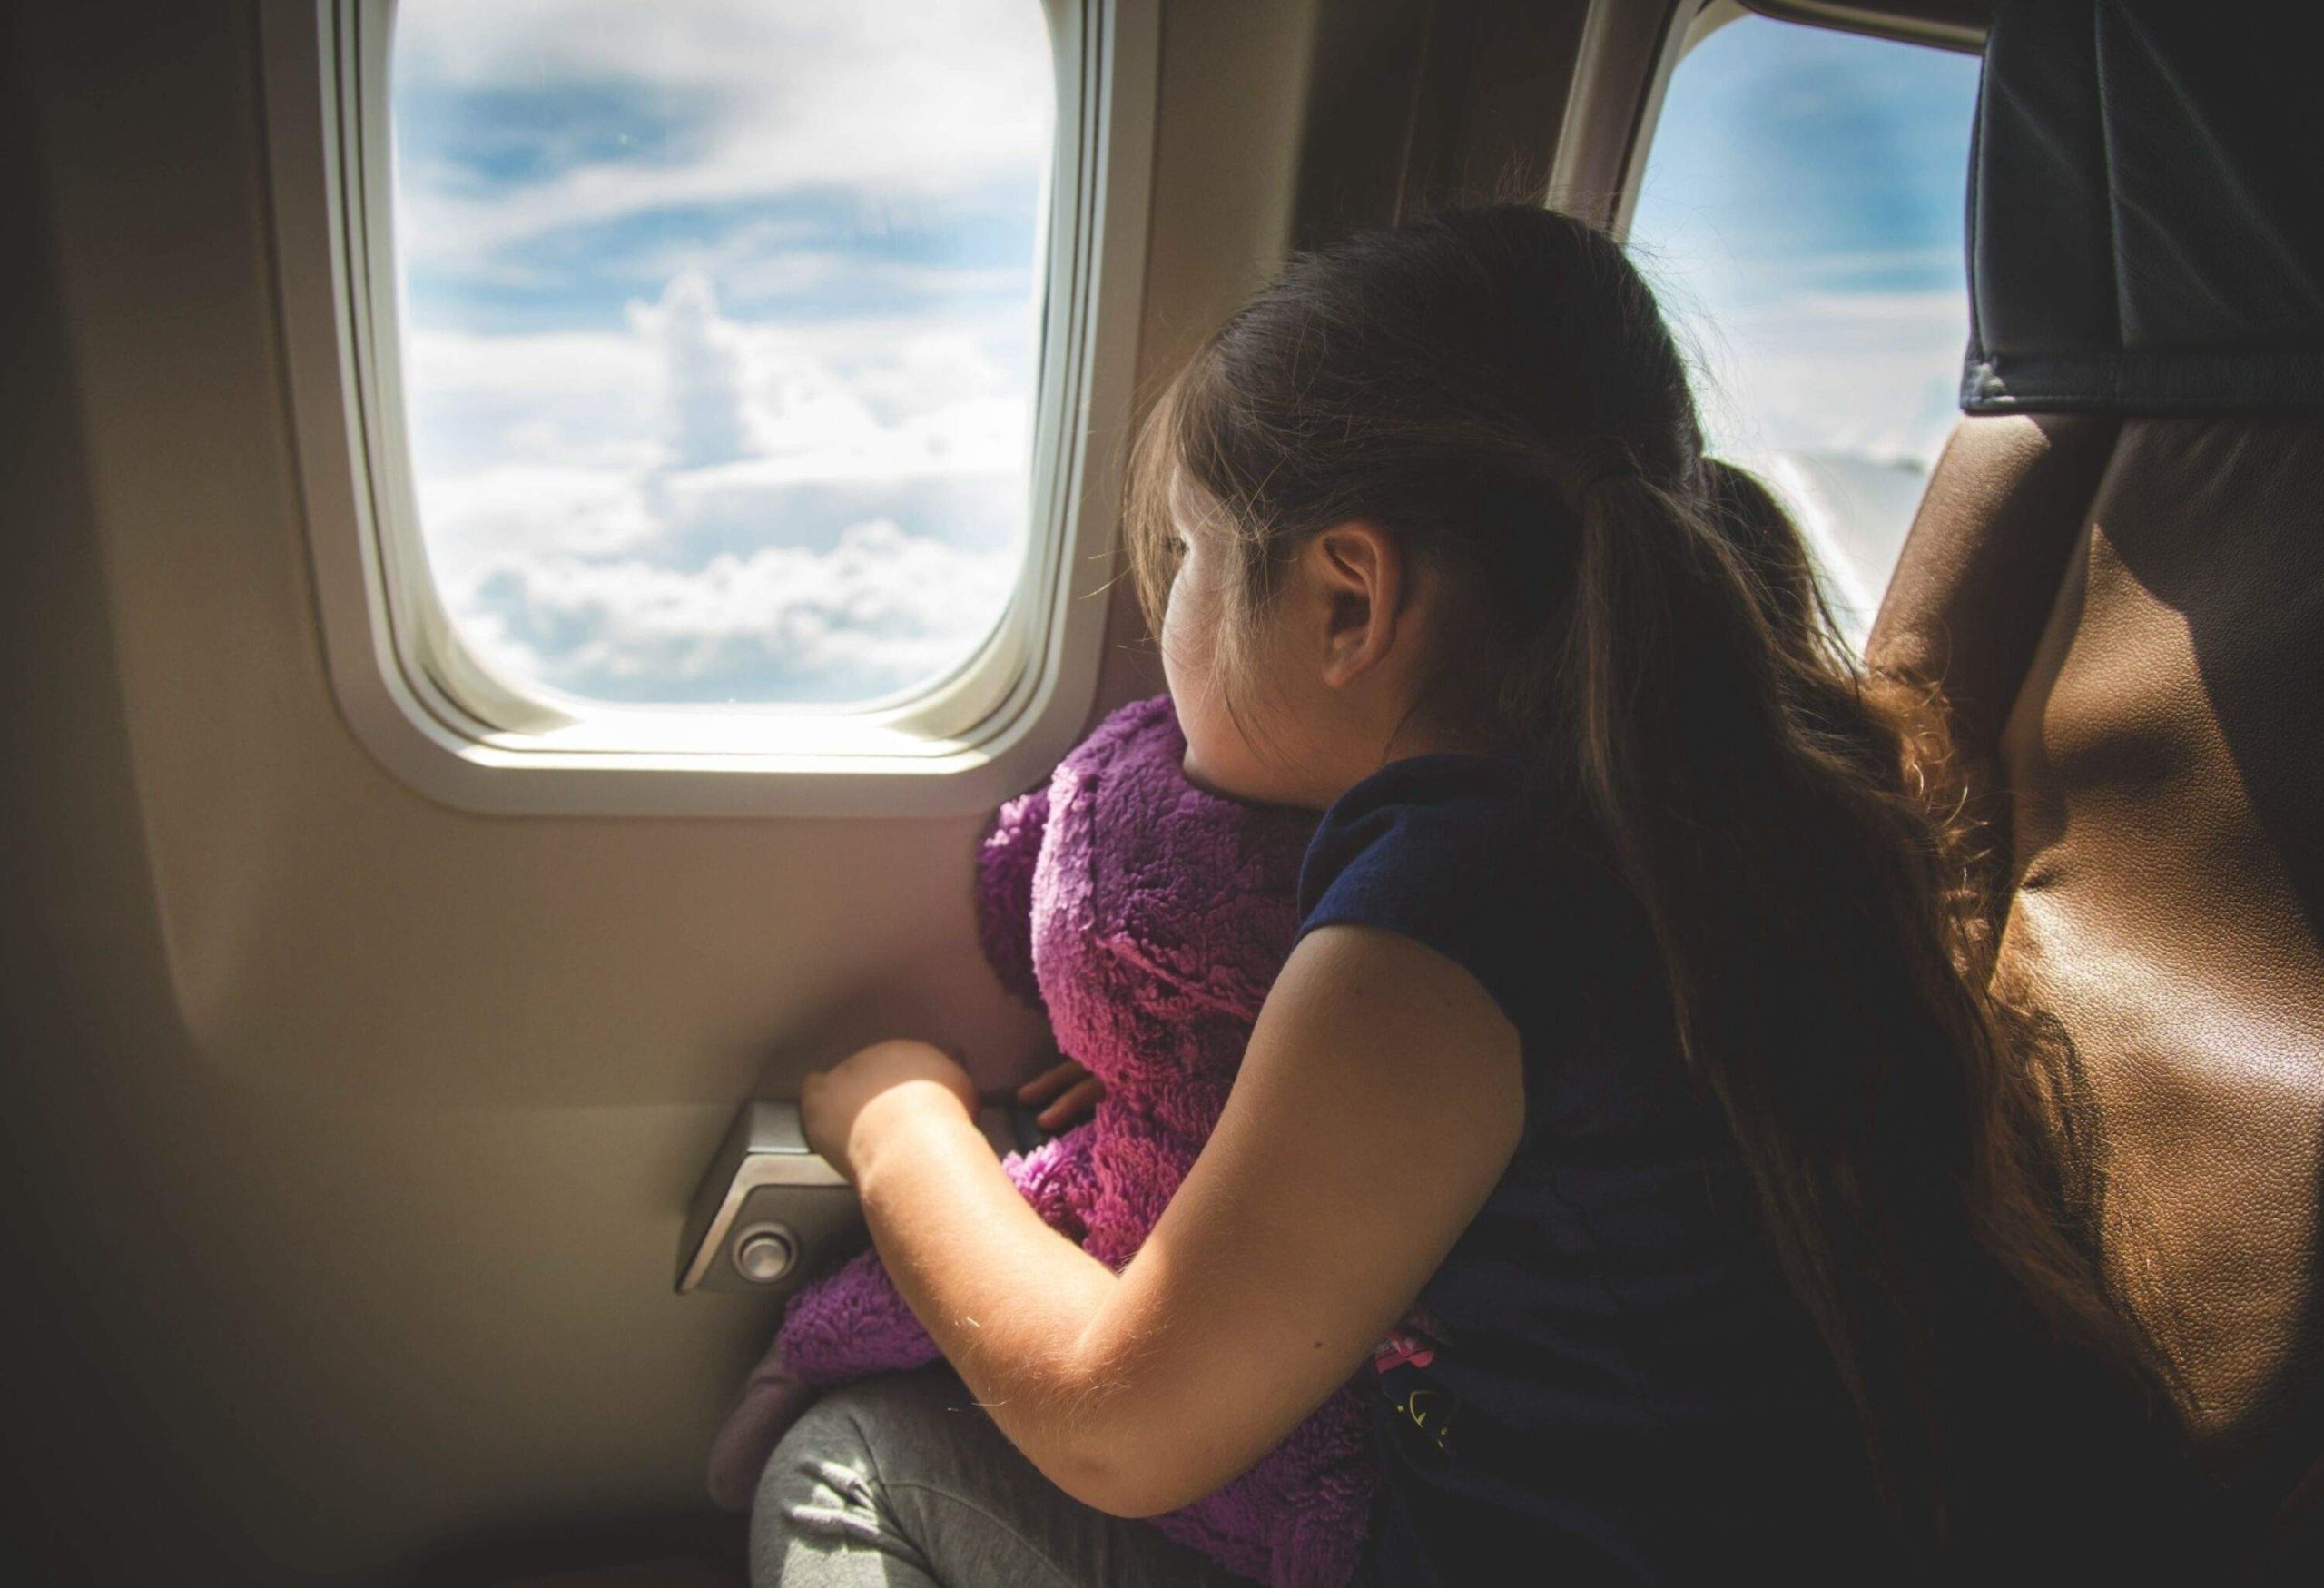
1638, 1032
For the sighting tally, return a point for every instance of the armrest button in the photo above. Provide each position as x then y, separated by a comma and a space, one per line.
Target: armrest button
765, 1253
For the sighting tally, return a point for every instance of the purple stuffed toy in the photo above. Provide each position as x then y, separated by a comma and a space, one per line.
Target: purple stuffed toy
1150, 918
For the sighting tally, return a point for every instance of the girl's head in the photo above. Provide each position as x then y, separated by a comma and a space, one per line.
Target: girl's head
1442, 486
1358, 511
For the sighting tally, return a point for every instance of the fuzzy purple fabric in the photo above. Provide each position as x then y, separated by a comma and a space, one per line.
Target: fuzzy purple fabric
1149, 919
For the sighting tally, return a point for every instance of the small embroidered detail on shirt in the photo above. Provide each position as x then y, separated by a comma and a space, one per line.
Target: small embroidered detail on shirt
1399, 1348
1431, 1411
1415, 1340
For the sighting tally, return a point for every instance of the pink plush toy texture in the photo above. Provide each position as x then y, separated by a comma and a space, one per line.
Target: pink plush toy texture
1148, 918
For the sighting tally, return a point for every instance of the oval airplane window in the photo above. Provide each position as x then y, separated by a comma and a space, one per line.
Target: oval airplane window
720, 338
1801, 215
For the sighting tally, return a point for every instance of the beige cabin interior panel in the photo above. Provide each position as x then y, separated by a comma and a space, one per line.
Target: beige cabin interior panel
347, 1134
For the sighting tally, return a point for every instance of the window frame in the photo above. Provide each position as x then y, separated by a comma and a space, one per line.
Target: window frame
1688, 24
448, 724
1693, 20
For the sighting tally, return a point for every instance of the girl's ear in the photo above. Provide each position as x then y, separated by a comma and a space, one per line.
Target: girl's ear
1357, 570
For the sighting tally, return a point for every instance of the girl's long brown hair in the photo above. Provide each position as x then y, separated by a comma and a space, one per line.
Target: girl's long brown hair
1497, 387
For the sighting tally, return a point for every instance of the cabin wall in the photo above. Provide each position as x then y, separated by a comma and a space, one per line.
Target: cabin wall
347, 1135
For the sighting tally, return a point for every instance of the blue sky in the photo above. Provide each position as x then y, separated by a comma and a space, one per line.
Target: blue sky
720, 318
1817, 157
1801, 216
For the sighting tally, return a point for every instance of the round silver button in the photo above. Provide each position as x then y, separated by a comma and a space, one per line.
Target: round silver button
765, 1253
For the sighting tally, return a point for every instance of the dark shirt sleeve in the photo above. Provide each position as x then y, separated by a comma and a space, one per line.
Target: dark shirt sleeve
1435, 849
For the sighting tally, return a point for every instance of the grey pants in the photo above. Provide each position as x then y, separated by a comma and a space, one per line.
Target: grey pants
903, 1481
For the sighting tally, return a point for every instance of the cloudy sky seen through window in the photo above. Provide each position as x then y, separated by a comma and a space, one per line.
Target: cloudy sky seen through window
1801, 217
721, 331
720, 334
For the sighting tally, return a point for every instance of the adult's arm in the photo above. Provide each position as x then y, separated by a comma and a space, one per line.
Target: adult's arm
1379, 1102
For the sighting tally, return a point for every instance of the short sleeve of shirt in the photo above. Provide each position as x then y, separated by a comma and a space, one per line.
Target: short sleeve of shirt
1437, 848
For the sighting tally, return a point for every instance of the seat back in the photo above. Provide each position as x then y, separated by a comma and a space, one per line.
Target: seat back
2118, 575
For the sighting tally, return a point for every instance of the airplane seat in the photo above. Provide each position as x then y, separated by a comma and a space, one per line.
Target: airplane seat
2118, 577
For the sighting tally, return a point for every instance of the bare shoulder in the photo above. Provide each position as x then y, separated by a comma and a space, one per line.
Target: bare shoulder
1361, 973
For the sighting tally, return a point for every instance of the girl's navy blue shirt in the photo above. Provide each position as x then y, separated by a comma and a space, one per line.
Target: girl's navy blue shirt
1614, 1383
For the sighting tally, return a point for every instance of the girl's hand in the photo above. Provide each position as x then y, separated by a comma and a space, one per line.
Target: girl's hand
1073, 1093
843, 1110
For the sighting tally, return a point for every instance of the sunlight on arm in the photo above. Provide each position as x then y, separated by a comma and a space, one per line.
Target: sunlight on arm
1380, 1099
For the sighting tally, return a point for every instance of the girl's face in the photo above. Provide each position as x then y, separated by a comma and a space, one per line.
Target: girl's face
1327, 678
1291, 754
1219, 756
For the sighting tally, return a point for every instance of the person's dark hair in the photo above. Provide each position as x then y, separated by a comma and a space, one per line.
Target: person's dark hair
1497, 389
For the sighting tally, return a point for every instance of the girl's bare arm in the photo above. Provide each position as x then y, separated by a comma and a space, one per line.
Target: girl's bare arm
1379, 1102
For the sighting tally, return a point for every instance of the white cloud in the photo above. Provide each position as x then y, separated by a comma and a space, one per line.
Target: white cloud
673, 511
590, 400
726, 401
701, 370
534, 510
1841, 401
896, 103
879, 611
1871, 373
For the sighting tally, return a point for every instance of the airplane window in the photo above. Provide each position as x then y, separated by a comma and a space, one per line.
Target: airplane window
1801, 213
720, 334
